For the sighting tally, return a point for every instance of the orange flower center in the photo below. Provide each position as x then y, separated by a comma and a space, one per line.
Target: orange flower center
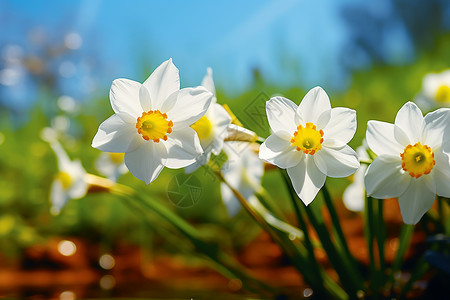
308, 139
153, 125
417, 160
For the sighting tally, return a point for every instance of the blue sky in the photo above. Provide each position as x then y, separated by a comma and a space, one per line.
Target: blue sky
290, 42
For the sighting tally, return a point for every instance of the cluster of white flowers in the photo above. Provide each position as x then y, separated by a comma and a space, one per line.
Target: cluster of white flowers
156, 124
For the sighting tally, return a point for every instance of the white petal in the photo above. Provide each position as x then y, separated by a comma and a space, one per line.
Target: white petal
437, 127
208, 81
342, 125
323, 119
238, 133
229, 199
337, 162
58, 197
78, 188
191, 105
124, 97
254, 168
183, 148
314, 104
201, 160
232, 170
354, 194
415, 202
145, 99
362, 151
385, 178
306, 179
281, 114
146, 162
221, 120
64, 162
162, 83
114, 135
410, 119
279, 152
381, 140
441, 174
106, 167
170, 102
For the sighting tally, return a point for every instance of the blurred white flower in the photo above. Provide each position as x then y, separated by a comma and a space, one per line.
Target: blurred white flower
413, 163
310, 141
243, 171
67, 104
112, 165
354, 194
211, 128
435, 91
151, 124
69, 183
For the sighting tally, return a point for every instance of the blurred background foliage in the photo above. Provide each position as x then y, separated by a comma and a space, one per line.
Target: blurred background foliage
57, 82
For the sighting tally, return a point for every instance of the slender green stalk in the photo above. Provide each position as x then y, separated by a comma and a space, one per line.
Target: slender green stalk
301, 223
220, 258
369, 234
340, 238
336, 259
297, 254
441, 211
380, 233
347, 278
406, 233
226, 264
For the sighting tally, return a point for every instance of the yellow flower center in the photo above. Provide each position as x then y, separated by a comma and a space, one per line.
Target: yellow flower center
65, 179
117, 158
417, 160
153, 125
443, 94
203, 128
308, 139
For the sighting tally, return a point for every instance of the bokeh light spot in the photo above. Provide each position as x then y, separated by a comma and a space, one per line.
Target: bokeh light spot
107, 262
67, 295
67, 248
107, 282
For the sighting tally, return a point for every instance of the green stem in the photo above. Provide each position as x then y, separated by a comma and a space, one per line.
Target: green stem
302, 224
369, 234
406, 233
380, 232
318, 223
346, 277
296, 253
340, 238
224, 263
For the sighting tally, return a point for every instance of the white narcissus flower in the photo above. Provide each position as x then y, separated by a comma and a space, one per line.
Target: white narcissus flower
151, 124
112, 165
413, 163
354, 194
243, 171
69, 183
310, 141
435, 90
212, 127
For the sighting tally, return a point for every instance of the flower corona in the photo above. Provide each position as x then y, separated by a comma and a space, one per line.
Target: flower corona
308, 139
153, 125
417, 160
